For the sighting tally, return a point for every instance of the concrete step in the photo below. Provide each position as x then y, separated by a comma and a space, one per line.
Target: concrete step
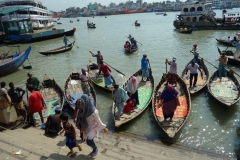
122, 146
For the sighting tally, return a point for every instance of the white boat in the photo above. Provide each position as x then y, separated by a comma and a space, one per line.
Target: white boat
40, 16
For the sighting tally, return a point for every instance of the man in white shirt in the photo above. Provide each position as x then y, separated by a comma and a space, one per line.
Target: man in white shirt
172, 74
193, 67
84, 82
228, 40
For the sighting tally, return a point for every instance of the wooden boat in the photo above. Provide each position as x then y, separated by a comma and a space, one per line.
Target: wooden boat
71, 21
52, 94
69, 33
188, 31
9, 64
73, 89
165, 14
92, 26
201, 83
128, 50
98, 80
137, 24
226, 91
221, 41
9, 41
181, 113
78, 20
59, 23
145, 91
231, 59
58, 50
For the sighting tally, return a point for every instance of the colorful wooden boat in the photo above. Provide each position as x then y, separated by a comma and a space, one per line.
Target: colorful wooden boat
98, 80
230, 55
53, 96
201, 83
128, 50
182, 112
11, 63
227, 90
58, 50
73, 89
187, 31
222, 41
145, 92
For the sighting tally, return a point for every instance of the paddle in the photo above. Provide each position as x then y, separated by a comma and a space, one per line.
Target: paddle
139, 42
73, 44
208, 62
110, 66
149, 68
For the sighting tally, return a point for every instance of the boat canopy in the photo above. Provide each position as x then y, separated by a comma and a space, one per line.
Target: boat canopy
12, 10
17, 27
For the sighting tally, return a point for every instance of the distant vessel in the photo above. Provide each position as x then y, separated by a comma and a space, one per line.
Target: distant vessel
56, 15
30, 9
200, 16
129, 11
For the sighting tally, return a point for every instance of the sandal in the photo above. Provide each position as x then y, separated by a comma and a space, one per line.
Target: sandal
70, 153
79, 147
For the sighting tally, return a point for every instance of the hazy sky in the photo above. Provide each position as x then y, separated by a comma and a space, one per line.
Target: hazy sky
57, 5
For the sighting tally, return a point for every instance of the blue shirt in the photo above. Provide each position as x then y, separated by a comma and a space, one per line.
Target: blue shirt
144, 64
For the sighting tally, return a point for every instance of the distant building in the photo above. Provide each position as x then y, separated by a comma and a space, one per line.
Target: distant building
92, 7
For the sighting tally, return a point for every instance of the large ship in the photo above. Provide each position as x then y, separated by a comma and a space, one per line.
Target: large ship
130, 11
28, 9
200, 16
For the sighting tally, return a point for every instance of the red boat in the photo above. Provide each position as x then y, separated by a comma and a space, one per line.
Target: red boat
56, 15
128, 11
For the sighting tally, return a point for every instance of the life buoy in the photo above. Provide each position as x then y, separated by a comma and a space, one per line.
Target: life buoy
214, 14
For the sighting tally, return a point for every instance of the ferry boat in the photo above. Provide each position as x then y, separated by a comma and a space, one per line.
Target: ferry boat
34, 10
200, 16
130, 11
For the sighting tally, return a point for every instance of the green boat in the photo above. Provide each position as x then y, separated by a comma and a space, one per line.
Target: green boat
145, 91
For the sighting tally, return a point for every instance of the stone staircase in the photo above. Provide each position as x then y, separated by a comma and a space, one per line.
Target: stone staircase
34, 145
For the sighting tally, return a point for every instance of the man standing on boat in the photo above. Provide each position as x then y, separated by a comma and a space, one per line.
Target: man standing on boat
172, 74
106, 74
222, 72
195, 53
193, 67
144, 67
65, 41
99, 58
237, 52
33, 81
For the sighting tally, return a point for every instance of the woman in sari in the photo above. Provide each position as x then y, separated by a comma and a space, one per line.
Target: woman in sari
84, 82
132, 89
169, 101
88, 120
119, 97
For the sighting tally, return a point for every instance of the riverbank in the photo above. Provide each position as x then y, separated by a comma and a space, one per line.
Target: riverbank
31, 143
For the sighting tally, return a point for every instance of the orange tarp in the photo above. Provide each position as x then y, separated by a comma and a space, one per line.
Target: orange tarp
180, 112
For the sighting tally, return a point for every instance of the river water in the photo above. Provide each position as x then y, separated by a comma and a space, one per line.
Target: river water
210, 126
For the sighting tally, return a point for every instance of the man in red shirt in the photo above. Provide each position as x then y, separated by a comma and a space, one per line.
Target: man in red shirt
106, 74
36, 104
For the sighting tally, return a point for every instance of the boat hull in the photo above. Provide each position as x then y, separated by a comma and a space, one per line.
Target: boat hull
92, 74
204, 26
13, 65
224, 100
58, 50
127, 50
145, 89
40, 36
221, 41
172, 128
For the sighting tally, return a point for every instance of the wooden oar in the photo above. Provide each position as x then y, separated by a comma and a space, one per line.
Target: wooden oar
209, 62
166, 66
139, 42
115, 69
73, 44
111, 66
